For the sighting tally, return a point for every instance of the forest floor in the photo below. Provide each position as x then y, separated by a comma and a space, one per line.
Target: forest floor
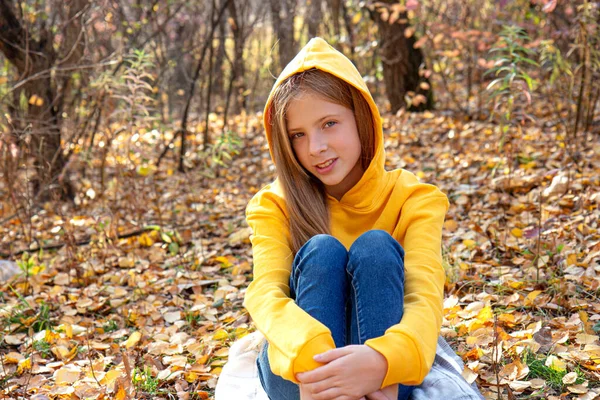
138, 292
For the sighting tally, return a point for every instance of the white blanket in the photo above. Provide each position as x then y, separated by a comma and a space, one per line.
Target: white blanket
239, 378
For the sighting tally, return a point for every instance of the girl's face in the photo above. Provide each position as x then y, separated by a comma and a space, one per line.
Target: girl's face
325, 140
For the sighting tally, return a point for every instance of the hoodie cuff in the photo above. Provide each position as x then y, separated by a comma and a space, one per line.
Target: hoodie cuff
317, 345
405, 364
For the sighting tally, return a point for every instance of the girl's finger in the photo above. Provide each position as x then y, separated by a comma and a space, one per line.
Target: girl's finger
378, 395
330, 355
329, 394
319, 387
316, 375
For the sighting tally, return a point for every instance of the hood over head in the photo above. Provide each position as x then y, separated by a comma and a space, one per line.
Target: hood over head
317, 53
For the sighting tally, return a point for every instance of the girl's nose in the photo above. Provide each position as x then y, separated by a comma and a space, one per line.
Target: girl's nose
317, 145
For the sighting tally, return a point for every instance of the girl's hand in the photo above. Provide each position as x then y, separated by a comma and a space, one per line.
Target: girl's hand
349, 373
379, 395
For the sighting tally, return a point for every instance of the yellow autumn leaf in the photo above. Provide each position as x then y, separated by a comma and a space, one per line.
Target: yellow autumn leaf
133, 339
469, 244
555, 363
202, 360
121, 393
220, 334
190, 376
224, 261
51, 337
485, 314
475, 325
36, 269
110, 377
516, 284
531, 297
13, 358
68, 329
571, 259
516, 232
145, 240
507, 319
63, 352
24, 365
473, 354
240, 332
144, 170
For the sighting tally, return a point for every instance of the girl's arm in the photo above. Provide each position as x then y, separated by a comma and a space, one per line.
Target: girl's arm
410, 346
294, 336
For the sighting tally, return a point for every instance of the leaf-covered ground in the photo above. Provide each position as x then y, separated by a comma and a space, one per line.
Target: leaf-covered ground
142, 294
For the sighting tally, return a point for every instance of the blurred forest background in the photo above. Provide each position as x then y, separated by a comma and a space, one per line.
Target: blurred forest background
131, 140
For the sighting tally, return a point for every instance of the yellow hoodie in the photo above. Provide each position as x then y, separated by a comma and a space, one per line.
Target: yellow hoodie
396, 202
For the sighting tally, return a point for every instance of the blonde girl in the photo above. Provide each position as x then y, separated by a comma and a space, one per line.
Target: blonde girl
348, 277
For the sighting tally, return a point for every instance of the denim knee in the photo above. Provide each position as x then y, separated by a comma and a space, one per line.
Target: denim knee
372, 247
324, 242
321, 255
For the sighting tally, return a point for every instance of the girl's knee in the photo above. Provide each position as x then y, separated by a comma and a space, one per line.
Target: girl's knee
324, 245
374, 246
376, 241
323, 240
322, 254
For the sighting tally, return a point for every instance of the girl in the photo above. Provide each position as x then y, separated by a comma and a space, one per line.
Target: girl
348, 278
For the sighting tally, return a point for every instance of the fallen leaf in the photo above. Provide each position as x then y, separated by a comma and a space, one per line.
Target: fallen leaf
555, 363
569, 378
67, 374
133, 340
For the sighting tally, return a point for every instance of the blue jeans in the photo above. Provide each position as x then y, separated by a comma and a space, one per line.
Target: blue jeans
358, 294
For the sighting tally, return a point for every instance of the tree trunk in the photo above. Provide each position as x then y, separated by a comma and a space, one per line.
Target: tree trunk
349, 30
335, 6
219, 82
239, 42
282, 14
401, 61
314, 18
34, 60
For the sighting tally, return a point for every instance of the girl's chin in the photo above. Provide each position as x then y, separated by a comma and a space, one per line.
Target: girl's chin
332, 184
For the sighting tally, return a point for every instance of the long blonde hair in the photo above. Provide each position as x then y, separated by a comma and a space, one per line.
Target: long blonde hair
304, 194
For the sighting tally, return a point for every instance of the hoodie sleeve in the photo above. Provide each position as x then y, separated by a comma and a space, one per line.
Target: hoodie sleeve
294, 336
409, 347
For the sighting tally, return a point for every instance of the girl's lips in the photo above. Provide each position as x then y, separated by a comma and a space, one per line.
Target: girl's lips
327, 168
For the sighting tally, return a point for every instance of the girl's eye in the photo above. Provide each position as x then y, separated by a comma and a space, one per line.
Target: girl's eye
296, 135
329, 124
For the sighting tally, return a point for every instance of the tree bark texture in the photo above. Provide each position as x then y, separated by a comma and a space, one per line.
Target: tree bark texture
314, 18
34, 62
237, 25
401, 62
282, 14
335, 6
219, 65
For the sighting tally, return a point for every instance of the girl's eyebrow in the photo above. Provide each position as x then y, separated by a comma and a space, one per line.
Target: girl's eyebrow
316, 122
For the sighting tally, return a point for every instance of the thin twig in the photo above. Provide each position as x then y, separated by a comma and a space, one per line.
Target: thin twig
86, 241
